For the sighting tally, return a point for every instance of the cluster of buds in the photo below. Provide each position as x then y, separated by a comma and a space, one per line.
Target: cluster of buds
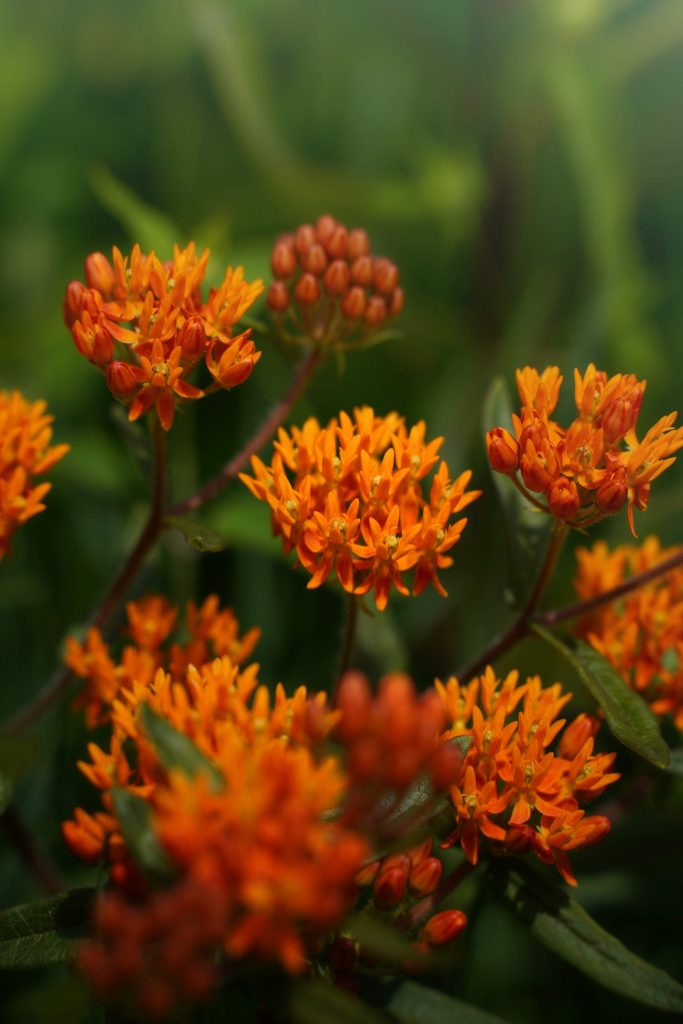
595, 466
514, 790
144, 324
355, 504
329, 290
25, 452
641, 634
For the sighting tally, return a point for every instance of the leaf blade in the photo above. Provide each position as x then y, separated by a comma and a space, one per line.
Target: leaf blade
45, 932
412, 1003
175, 750
202, 537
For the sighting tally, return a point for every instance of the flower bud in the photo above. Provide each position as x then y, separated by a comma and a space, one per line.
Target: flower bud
72, 302
283, 258
337, 277
354, 700
357, 244
305, 236
324, 227
99, 273
314, 259
563, 498
277, 298
375, 311
192, 339
353, 303
368, 873
520, 839
122, 379
612, 493
396, 302
620, 415
420, 852
539, 466
442, 928
102, 346
576, 734
390, 884
361, 271
307, 290
385, 276
502, 451
425, 877
336, 242
599, 827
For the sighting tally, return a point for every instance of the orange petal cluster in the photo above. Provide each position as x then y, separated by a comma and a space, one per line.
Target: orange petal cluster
143, 323
212, 632
596, 465
25, 452
513, 788
352, 499
641, 634
329, 290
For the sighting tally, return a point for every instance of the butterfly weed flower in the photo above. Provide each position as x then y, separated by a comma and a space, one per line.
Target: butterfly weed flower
641, 634
596, 465
25, 453
329, 290
354, 501
144, 324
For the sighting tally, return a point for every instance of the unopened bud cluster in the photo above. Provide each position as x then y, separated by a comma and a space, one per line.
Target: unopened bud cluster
329, 289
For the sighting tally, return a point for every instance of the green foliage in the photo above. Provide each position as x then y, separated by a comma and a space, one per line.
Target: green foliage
314, 1001
200, 536
135, 817
175, 751
413, 1003
45, 932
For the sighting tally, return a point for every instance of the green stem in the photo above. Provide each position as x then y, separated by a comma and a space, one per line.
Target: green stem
348, 636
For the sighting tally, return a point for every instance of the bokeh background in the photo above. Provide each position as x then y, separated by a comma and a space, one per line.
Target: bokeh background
521, 161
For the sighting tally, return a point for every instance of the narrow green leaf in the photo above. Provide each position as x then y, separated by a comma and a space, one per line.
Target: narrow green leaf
200, 536
412, 1003
16, 754
175, 750
526, 528
135, 817
314, 1001
627, 715
560, 923
379, 939
676, 765
45, 932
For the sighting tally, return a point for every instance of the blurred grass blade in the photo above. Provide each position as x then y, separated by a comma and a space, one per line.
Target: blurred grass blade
560, 923
315, 1002
412, 1003
144, 224
526, 529
45, 932
627, 715
177, 751
200, 536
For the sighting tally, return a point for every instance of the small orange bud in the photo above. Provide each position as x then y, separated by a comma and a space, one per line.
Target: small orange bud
420, 852
563, 498
502, 451
576, 734
620, 415
600, 826
324, 227
305, 236
99, 273
354, 700
353, 303
307, 291
385, 276
72, 302
358, 244
192, 338
520, 839
277, 298
314, 259
442, 928
283, 258
390, 885
122, 379
612, 493
335, 243
375, 311
361, 271
539, 465
337, 277
368, 873
102, 346
396, 302
425, 877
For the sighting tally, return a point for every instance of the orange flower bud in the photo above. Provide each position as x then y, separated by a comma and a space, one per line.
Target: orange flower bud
102, 346
539, 466
283, 258
325, 226
192, 339
520, 839
361, 271
599, 827
375, 311
354, 700
563, 498
421, 852
366, 876
278, 296
396, 302
620, 415
612, 493
353, 303
307, 291
502, 451
390, 884
314, 259
99, 273
385, 276
425, 877
575, 735
72, 302
337, 277
122, 379
305, 236
442, 928
335, 243
358, 244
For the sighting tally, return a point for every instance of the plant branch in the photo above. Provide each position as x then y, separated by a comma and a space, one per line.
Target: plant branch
348, 636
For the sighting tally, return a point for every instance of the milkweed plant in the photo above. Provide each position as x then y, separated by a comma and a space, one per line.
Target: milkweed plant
310, 846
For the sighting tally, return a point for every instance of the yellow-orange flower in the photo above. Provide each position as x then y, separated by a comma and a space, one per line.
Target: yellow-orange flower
596, 465
641, 634
25, 452
144, 324
351, 498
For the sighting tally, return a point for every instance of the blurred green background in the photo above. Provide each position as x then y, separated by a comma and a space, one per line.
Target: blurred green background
520, 161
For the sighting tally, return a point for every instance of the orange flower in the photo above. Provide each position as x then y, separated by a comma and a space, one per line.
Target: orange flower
154, 313
594, 466
352, 499
25, 452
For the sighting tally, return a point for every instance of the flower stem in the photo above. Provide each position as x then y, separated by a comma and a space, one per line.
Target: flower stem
348, 636
417, 914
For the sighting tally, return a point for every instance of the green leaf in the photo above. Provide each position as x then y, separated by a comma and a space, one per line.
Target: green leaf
560, 923
627, 715
314, 1001
676, 765
412, 1003
200, 536
526, 528
16, 754
145, 224
379, 939
135, 818
45, 932
175, 750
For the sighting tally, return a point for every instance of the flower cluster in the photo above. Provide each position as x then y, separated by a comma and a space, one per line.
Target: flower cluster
212, 633
596, 465
350, 499
641, 633
25, 452
329, 289
144, 324
513, 789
